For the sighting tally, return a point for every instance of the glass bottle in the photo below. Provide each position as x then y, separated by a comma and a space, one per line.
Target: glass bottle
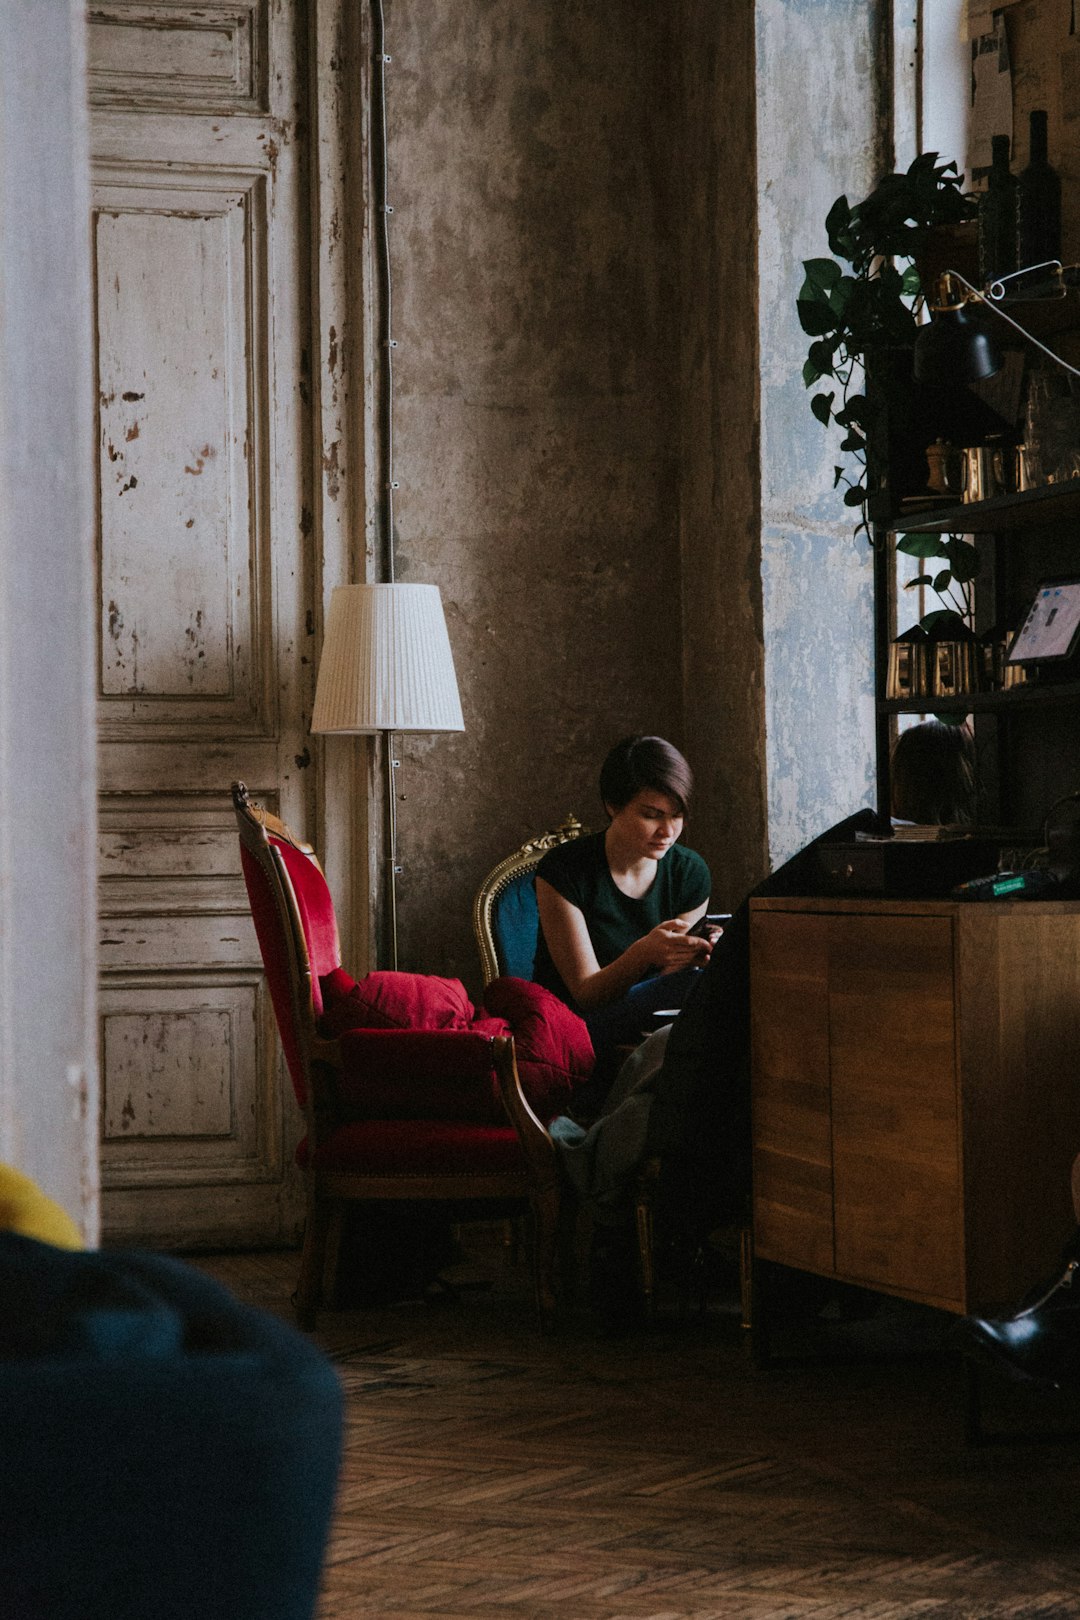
1038, 235
998, 216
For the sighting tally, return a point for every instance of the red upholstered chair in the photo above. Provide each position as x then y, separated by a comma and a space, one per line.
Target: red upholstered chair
391, 1113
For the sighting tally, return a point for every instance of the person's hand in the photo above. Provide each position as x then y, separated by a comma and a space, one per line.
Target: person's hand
670, 946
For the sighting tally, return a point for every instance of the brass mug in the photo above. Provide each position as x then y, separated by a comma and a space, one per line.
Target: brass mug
1028, 467
985, 467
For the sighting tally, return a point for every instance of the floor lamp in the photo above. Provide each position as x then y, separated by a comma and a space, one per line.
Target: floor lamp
386, 662
386, 667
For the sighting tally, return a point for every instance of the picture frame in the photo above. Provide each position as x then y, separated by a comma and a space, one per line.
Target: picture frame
1050, 632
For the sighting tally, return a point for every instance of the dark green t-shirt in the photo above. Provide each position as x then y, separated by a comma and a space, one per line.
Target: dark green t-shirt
578, 870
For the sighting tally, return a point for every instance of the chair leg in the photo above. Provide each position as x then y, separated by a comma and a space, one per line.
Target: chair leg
308, 1295
331, 1268
566, 1234
746, 1277
643, 1218
545, 1213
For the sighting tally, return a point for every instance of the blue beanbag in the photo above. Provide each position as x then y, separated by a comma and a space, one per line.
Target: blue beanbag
165, 1451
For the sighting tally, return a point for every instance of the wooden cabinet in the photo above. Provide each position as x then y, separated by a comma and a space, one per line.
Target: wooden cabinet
916, 1092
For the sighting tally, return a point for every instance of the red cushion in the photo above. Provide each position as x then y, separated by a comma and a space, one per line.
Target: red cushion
411, 1074
393, 1001
404, 1147
554, 1051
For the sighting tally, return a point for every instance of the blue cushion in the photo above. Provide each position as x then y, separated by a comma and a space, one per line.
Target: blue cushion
515, 924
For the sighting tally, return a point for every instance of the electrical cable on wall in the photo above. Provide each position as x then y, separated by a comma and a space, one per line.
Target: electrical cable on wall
384, 210
386, 664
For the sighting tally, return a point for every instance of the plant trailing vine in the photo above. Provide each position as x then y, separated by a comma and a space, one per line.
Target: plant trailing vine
861, 304
952, 584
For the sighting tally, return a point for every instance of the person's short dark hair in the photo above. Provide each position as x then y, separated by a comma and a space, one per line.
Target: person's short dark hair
645, 762
933, 775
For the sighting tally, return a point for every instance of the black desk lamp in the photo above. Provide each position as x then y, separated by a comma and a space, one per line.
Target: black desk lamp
956, 347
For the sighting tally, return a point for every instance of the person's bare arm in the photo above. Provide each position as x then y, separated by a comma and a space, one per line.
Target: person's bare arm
664, 949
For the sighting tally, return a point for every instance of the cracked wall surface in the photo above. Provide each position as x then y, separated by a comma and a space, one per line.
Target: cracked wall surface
606, 457
536, 385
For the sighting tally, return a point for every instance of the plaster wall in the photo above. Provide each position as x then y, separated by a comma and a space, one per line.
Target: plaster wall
720, 480
530, 160
824, 93
48, 1037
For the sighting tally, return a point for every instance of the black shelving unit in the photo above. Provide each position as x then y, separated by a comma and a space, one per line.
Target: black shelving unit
1029, 735
1031, 508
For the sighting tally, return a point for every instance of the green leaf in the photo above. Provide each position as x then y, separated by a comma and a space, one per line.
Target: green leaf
840, 296
838, 473
851, 444
963, 559
942, 581
943, 617
838, 228
910, 283
920, 579
855, 496
815, 316
921, 545
821, 353
821, 405
822, 273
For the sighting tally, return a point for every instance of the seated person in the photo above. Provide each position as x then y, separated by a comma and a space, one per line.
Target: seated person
685, 1095
932, 771
617, 907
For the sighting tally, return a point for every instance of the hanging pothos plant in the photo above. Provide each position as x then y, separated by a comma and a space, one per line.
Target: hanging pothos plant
858, 306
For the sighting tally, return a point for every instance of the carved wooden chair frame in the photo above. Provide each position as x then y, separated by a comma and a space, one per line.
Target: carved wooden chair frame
523, 860
329, 1191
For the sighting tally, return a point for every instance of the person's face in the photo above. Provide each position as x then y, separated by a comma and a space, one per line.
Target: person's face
648, 825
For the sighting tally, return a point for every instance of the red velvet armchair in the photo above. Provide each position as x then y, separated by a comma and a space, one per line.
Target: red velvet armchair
391, 1113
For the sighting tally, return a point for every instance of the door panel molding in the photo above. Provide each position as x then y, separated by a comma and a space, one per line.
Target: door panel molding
185, 648
203, 58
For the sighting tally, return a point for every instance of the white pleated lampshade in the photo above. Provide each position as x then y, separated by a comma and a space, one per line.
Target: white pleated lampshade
386, 662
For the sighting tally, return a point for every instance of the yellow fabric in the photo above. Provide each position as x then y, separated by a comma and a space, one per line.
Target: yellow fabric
25, 1209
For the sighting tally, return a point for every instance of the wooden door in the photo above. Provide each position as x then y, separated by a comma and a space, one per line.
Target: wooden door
201, 331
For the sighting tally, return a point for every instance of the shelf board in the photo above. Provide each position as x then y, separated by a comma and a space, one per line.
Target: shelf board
1017, 697
1050, 503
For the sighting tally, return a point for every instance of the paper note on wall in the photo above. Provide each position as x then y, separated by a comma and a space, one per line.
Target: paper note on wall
991, 95
980, 15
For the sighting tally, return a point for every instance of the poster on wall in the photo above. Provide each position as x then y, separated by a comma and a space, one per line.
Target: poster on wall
991, 94
981, 14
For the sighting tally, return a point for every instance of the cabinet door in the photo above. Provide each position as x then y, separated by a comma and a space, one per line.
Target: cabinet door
793, 1193
895, 1124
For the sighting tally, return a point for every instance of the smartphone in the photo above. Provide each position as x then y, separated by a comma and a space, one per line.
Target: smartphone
711, 919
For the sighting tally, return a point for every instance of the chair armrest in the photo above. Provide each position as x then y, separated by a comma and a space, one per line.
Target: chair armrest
535, 1140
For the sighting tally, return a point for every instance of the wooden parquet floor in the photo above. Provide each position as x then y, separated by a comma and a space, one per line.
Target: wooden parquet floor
488, 1472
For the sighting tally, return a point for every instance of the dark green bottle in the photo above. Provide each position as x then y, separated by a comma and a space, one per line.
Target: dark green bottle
1038, 235
998, 216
